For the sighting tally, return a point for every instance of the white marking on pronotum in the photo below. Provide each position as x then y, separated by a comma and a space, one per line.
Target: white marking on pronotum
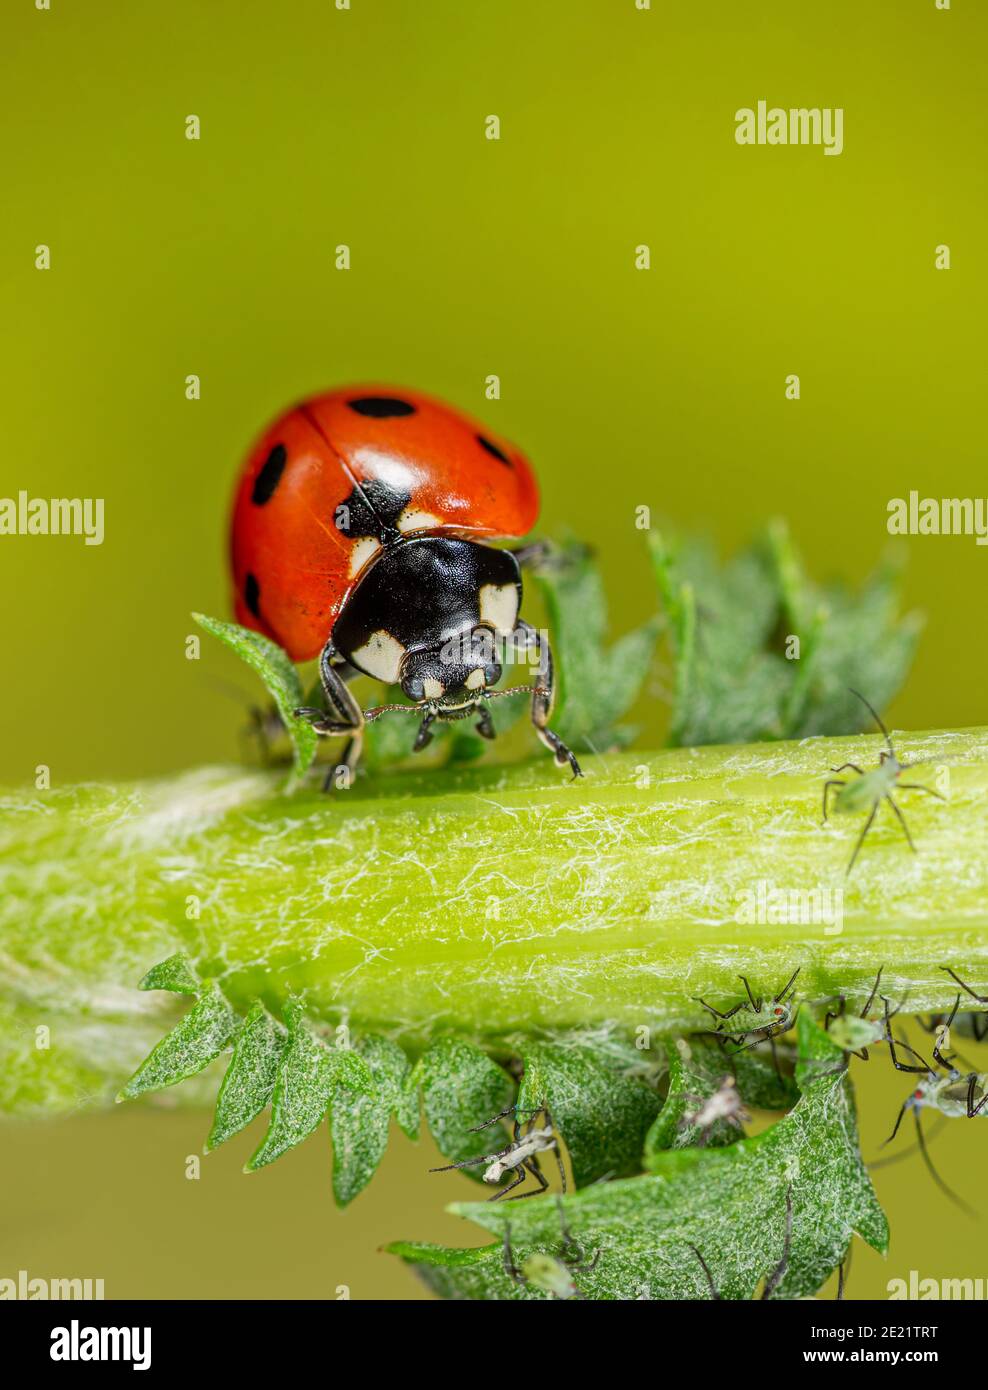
499, 606
380, 657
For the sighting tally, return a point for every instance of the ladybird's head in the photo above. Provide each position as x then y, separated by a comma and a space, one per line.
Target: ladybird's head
453, 672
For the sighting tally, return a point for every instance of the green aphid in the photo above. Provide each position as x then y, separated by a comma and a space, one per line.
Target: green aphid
552, 1274
855, 1033
873, 787
756, 1018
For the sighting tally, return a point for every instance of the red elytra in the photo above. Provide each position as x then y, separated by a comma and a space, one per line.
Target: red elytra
418, 466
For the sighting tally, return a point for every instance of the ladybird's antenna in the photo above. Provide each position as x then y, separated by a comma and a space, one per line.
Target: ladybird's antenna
875, 715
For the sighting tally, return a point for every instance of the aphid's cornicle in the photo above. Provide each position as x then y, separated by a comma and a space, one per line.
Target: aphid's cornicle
872, 787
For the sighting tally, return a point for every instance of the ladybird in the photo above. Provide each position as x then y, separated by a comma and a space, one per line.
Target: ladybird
361, 535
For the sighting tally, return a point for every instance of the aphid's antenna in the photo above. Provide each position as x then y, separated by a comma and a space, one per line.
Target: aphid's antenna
788, 985
466, 1163
775, 1278
875, 715
981, 998
706, 1269
947, 1191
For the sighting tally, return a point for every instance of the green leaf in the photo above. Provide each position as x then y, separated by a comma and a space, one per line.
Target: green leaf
602, 1115
728, 1202
308, 1074
360, 1123
597, 683
280, 678
696, 1068
461, 1089
731, 627
250, 1078
175, 974
205, 1031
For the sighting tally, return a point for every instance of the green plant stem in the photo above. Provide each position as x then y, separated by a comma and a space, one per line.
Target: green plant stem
489, 900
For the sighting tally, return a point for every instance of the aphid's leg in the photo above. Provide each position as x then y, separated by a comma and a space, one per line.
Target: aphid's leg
485, 724
874, 991
778, 1273
424, 736
898, 1121
515, 1182
833, 782
917, 787
973, 1109
981, 998
542, 699
900, 1066
510, 1268
902, 821
861, 838
938, 1056
710, 1278
844, 766
788, 985
756, 1004
775, 1057
528, 1167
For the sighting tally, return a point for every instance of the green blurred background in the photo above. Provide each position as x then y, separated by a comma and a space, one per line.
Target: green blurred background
469, 258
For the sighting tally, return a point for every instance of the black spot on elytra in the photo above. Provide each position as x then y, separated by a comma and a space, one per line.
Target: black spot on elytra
372, 509
381, 407
252, 595
492, 448
270, 476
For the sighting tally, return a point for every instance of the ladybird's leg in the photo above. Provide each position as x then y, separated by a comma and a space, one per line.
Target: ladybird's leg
485, 724
342, 714
424, 736
542, 698
534, 554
